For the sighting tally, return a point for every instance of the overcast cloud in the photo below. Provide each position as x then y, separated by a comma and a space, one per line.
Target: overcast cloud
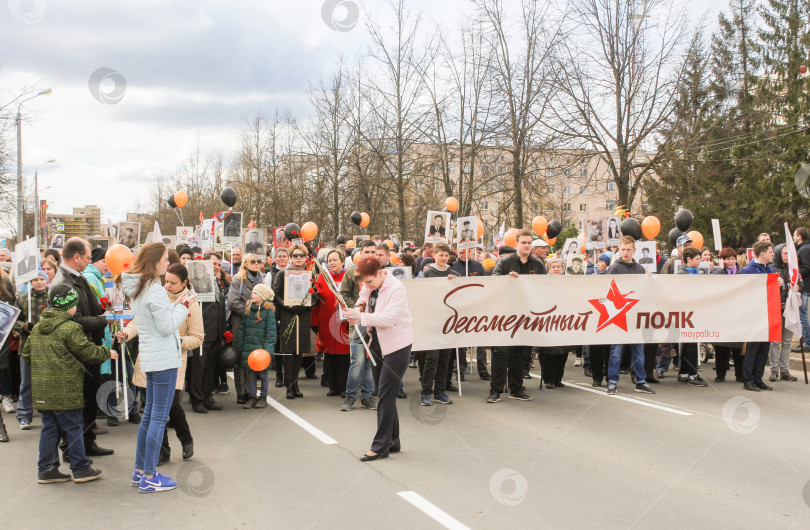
192, 69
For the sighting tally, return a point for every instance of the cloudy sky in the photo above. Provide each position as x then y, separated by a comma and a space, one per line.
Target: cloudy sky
166, 74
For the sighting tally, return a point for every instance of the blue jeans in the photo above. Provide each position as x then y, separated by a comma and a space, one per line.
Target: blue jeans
253, 378
159, 396
804, 321
25, 405
637, 353
54, 423
359, 373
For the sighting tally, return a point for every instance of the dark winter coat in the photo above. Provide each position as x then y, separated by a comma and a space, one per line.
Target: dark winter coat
257, 331
39, 302
88, 313
475, 268
621, 267
287, 316
57, 351
511, 264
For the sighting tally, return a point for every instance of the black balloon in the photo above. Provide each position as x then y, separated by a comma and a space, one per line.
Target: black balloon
229, 358
396, 247
172, 204
356, 217
341, 239
228, 196
674, 234
554, 228
683, 219
631, 227
292, 231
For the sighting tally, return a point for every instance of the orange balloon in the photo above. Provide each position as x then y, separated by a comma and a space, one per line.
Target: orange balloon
350, 243
551, 241
696, 237
180, 198
364, 220
389, 243
356, 257
650, 226
480, 228
510, 238
259, 360
582, 249
452, 204
118, 259
539, 225
393, 258
309, 231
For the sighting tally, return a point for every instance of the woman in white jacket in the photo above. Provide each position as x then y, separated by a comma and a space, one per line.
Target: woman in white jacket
157, 320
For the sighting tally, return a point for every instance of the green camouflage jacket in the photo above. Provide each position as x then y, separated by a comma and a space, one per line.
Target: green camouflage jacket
57, 351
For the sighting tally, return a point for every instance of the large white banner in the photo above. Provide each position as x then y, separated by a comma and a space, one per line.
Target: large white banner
622, 309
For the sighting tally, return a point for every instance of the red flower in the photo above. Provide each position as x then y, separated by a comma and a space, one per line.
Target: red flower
105, 303
311, 290
228, 336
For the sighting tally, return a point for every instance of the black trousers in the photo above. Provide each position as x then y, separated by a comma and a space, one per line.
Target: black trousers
650, 358
481, 360
388, 378
178, 418
552, 366
754, 361
599, 354
92, 381
722, 354
292, 366
308, 364
336, 367
513, 359
689, 359
202, 372
434, 375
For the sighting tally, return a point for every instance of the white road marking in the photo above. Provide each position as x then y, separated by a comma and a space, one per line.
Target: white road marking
433, 511
623, 398
298, 420
301, 422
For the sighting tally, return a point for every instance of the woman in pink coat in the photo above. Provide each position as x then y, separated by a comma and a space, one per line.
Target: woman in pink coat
383, 309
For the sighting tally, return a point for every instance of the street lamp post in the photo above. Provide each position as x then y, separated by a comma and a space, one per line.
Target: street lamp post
20, 235
37, 227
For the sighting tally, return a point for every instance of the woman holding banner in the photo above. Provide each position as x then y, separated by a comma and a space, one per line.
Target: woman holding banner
383, 309
333, 333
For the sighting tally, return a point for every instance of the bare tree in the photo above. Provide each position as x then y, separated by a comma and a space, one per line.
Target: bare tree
617, 79
521, 82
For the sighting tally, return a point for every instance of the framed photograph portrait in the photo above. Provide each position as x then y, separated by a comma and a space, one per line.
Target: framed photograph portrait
57, 241
201, 276
437, 227
467, 228
296, 288
614, 233
232, 228
400, 273
575, 264
645, 255
129, 235
594, 234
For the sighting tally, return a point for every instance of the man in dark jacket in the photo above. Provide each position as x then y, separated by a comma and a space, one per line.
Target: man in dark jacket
76, 255
626, 265
514, 357
802, 238
756, 353
203, 363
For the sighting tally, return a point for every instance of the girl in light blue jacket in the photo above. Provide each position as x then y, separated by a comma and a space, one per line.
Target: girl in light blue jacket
157, 320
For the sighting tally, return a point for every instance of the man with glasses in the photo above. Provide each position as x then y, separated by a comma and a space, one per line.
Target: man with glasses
359, 365
76, 256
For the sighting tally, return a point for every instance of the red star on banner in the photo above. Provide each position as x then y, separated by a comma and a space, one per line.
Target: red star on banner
613, 308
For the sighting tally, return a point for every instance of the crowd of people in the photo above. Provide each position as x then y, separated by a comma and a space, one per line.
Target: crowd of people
346, 310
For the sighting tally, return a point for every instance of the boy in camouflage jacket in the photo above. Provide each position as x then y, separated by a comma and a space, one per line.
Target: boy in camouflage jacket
57, 351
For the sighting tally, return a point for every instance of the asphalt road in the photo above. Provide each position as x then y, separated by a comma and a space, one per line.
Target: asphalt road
715, 457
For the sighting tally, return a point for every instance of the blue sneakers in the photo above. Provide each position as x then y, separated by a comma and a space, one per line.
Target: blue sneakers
443, 398
136, 478
157, 483
426, 402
